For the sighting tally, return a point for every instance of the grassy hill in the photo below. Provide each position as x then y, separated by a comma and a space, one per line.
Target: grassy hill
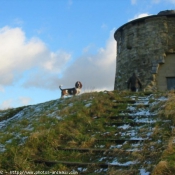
93, 133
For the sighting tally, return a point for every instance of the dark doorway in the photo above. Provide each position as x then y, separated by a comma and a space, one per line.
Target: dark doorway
170, 83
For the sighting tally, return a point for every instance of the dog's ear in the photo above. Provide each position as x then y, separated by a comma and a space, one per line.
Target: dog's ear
81, 85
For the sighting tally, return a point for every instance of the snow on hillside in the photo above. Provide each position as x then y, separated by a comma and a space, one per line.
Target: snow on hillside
51, 109
30, 114
15, 127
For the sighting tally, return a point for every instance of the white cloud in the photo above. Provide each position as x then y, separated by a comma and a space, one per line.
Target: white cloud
89, 48
139, 16
24, 101
42, 79
95, 71
21, 101
46, 69
54, 61
18, 54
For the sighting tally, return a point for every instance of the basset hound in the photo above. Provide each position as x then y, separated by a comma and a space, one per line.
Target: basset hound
71, 91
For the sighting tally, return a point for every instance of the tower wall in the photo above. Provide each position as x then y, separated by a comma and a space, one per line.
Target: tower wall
142, 47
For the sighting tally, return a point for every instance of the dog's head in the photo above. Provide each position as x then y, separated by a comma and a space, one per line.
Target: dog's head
78, 85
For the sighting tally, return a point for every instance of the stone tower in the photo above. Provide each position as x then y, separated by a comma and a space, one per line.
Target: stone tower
146, 46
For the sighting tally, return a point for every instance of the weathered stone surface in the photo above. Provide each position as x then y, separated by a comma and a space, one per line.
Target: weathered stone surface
142, 46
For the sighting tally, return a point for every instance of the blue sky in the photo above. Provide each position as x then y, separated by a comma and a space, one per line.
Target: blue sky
47, 43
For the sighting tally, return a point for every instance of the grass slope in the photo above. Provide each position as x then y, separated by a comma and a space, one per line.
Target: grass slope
166, 166
35, 137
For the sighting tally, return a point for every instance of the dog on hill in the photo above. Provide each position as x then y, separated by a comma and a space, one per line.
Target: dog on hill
71, 91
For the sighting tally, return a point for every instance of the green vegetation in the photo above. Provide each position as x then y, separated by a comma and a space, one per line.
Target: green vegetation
38, 140
166, 166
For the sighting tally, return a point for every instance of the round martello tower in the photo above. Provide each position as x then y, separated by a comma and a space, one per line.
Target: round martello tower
146, 46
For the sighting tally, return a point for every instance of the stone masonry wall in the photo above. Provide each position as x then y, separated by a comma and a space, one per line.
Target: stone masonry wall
142, 46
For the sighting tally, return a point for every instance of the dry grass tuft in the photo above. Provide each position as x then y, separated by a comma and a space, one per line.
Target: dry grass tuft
161, 168
169, 108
